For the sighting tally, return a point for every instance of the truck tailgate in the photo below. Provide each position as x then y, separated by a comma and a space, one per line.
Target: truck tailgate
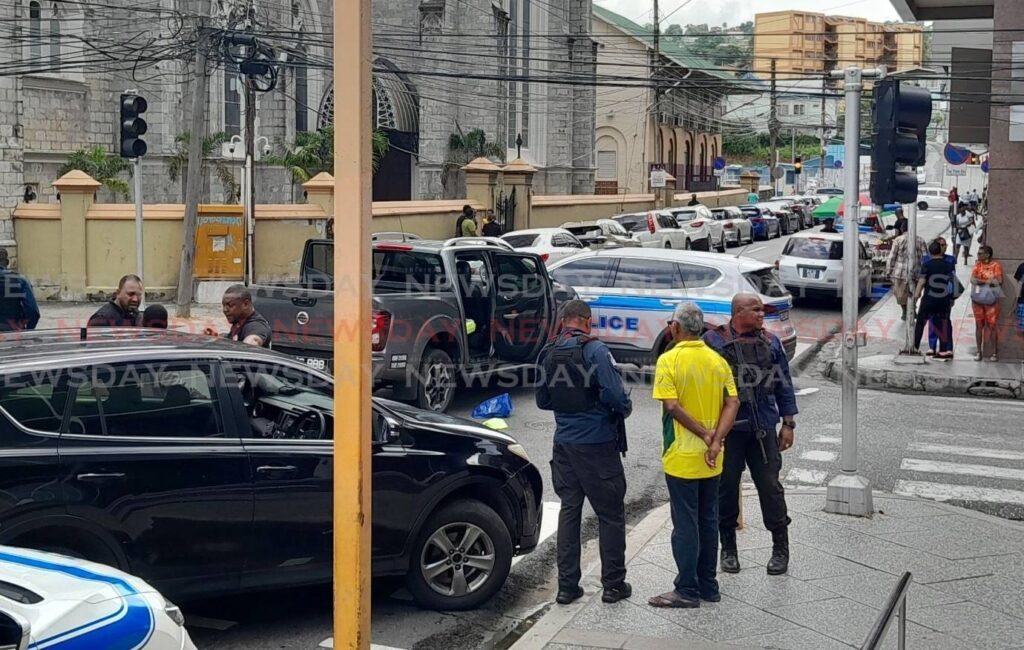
302, 321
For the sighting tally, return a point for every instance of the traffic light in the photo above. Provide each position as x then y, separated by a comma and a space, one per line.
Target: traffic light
133, 126
900, 118
798, 165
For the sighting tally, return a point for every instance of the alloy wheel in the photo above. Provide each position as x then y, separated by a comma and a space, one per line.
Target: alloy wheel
458, 559
438, 385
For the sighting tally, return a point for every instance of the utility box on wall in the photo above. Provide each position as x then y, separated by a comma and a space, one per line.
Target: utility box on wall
220, 243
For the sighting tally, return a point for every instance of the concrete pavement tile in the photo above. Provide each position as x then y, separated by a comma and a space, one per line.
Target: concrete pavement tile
689, 641
883, 523
872, 588
752, 537
973, 623
907, 508
763, 591
956, 544
663, 536
590, 638
797, 502
659, 555
625, 617
1011, 566
843, 620
805, 563
922, 638
729, 619
799, 639
565, 646
649, 579
1001, 593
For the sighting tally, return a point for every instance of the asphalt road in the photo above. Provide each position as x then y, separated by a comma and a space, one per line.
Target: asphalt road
899, 432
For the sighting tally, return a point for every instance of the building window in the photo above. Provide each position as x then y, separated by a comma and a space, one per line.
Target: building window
783, 110
301, 91
232, 104
607, 166
35, 33
798, 109
520, 33
55, 37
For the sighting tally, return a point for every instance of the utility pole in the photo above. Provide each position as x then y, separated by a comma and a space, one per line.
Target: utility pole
656, 104
250, 185
792, 160
139, 257
194, 174
773, 133
821, 139
850, 493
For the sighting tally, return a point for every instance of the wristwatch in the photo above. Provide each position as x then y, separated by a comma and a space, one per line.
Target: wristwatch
789, 423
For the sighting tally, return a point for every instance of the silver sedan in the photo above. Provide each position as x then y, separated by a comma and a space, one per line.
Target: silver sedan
735, 227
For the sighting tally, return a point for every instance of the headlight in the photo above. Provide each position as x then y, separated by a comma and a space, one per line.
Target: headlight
518, 450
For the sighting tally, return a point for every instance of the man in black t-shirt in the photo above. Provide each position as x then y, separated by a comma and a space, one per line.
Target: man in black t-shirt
247, 325
1019, 277
123, 308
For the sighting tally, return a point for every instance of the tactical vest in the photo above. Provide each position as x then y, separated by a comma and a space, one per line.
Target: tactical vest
11, 311
571, 385
750, 358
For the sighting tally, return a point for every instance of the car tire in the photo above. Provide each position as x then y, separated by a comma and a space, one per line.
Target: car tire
446, 528
922, 205
435, 387
687, 245
668, 245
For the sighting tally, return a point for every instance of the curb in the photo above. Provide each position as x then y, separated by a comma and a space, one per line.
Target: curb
909, 381
556, 618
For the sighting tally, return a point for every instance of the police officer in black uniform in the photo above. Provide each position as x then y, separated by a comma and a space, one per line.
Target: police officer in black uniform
761, 370
582, 386
18, 308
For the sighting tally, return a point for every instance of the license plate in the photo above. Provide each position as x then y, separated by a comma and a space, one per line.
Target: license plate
315, 364
810, 274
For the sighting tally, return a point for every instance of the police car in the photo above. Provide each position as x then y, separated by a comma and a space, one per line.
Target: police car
632, 293
57, 602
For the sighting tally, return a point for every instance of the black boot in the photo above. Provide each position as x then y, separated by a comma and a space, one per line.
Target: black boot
779, 562
730, 561
567, 595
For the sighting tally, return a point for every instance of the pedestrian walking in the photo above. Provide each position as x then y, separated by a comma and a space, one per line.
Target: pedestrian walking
903, 268
954, 200
247, 325
933, 329
964, 233
18, 308
582, 386
696, 388
936, 291
123, 308
986, 294
765, 387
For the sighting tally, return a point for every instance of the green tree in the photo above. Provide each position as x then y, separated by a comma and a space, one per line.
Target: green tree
104, 168
177, 165
312, 152
462, 148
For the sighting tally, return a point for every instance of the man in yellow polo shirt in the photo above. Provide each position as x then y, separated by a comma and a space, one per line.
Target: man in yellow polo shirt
696, 388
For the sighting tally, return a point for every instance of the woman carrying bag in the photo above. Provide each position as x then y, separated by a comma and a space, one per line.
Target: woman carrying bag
986, 292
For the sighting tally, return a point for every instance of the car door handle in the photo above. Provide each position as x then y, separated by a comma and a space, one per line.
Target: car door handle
303, 302
100, 478
512, 315
277, 471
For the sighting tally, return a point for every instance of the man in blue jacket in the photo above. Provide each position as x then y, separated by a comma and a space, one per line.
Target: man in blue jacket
18, 308
582, 386
765, 386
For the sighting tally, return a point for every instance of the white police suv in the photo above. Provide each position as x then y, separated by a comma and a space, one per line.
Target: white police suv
60, 603
632, 293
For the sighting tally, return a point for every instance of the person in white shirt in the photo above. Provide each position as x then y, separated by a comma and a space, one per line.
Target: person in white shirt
962, 238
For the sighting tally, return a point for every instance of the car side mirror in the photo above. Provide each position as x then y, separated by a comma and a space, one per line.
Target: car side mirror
15, 631
385, 430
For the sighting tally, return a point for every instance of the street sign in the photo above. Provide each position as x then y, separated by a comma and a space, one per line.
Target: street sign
719, 172
719, 163
984, 165
778, 172
659, 177
838, 164
954, 171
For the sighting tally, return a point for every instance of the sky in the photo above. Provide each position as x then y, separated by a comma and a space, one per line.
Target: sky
733, 12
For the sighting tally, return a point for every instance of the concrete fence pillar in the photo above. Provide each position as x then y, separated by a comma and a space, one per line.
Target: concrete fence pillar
77, 191
518, 175
320, 191
664, 197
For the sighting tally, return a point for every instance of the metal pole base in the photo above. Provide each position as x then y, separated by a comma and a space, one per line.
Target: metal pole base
849, 494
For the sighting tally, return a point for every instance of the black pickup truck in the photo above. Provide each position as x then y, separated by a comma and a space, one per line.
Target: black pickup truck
444, 314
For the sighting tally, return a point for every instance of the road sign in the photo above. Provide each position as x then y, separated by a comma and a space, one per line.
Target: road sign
778, 172
719, 163
955, 171
984, 165
718, 172
659, 177
838, 164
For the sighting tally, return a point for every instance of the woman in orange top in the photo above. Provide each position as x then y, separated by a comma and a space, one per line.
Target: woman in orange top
986, 292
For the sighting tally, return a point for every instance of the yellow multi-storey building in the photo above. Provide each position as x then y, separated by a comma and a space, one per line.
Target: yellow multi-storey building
803, 43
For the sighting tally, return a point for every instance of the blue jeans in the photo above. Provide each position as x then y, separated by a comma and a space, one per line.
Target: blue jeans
694, 505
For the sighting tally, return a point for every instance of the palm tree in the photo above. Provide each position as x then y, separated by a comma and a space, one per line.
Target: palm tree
313, 152
462, 148
104, 167
177, 165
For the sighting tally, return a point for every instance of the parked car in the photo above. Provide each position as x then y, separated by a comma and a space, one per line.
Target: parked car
424, 294
764, 223
789, 220
633, 292
704, 231
655, 229
205, 466
737, 229
55, 601
601, 233
829, 191
932, 198
550, 244
804, 206
812, 265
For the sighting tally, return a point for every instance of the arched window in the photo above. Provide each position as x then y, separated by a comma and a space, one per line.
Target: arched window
35, 33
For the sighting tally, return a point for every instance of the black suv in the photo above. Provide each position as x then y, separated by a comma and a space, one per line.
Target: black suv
204, 467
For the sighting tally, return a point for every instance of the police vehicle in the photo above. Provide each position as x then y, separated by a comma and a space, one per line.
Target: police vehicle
53, 601
632, 293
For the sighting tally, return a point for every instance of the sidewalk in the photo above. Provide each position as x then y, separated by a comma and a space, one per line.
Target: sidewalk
881, 366
967, 569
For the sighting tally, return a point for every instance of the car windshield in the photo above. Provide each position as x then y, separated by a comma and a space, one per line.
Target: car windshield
750, 212
521, 241
814, 248
766, 282
633, 222
685, 215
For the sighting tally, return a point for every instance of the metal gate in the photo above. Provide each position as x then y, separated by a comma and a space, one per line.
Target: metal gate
505, 210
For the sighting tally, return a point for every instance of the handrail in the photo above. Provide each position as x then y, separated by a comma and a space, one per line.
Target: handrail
898, 598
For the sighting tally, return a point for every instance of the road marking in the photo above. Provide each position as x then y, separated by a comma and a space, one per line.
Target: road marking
827, 440
806, 391
965, 469
754, 250
548, 524
946, 492
819, 456
811, 476
974, 452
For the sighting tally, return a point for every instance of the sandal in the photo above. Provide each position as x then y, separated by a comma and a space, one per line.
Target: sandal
672, 599
977, 357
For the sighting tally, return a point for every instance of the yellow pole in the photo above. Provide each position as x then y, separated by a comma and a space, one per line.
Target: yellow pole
352, 370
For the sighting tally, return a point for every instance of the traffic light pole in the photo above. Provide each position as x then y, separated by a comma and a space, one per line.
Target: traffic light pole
850, 493
138, 220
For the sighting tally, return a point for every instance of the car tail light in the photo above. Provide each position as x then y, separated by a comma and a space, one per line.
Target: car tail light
697, 224
727, 226
650, 222
381, 329
393, 247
